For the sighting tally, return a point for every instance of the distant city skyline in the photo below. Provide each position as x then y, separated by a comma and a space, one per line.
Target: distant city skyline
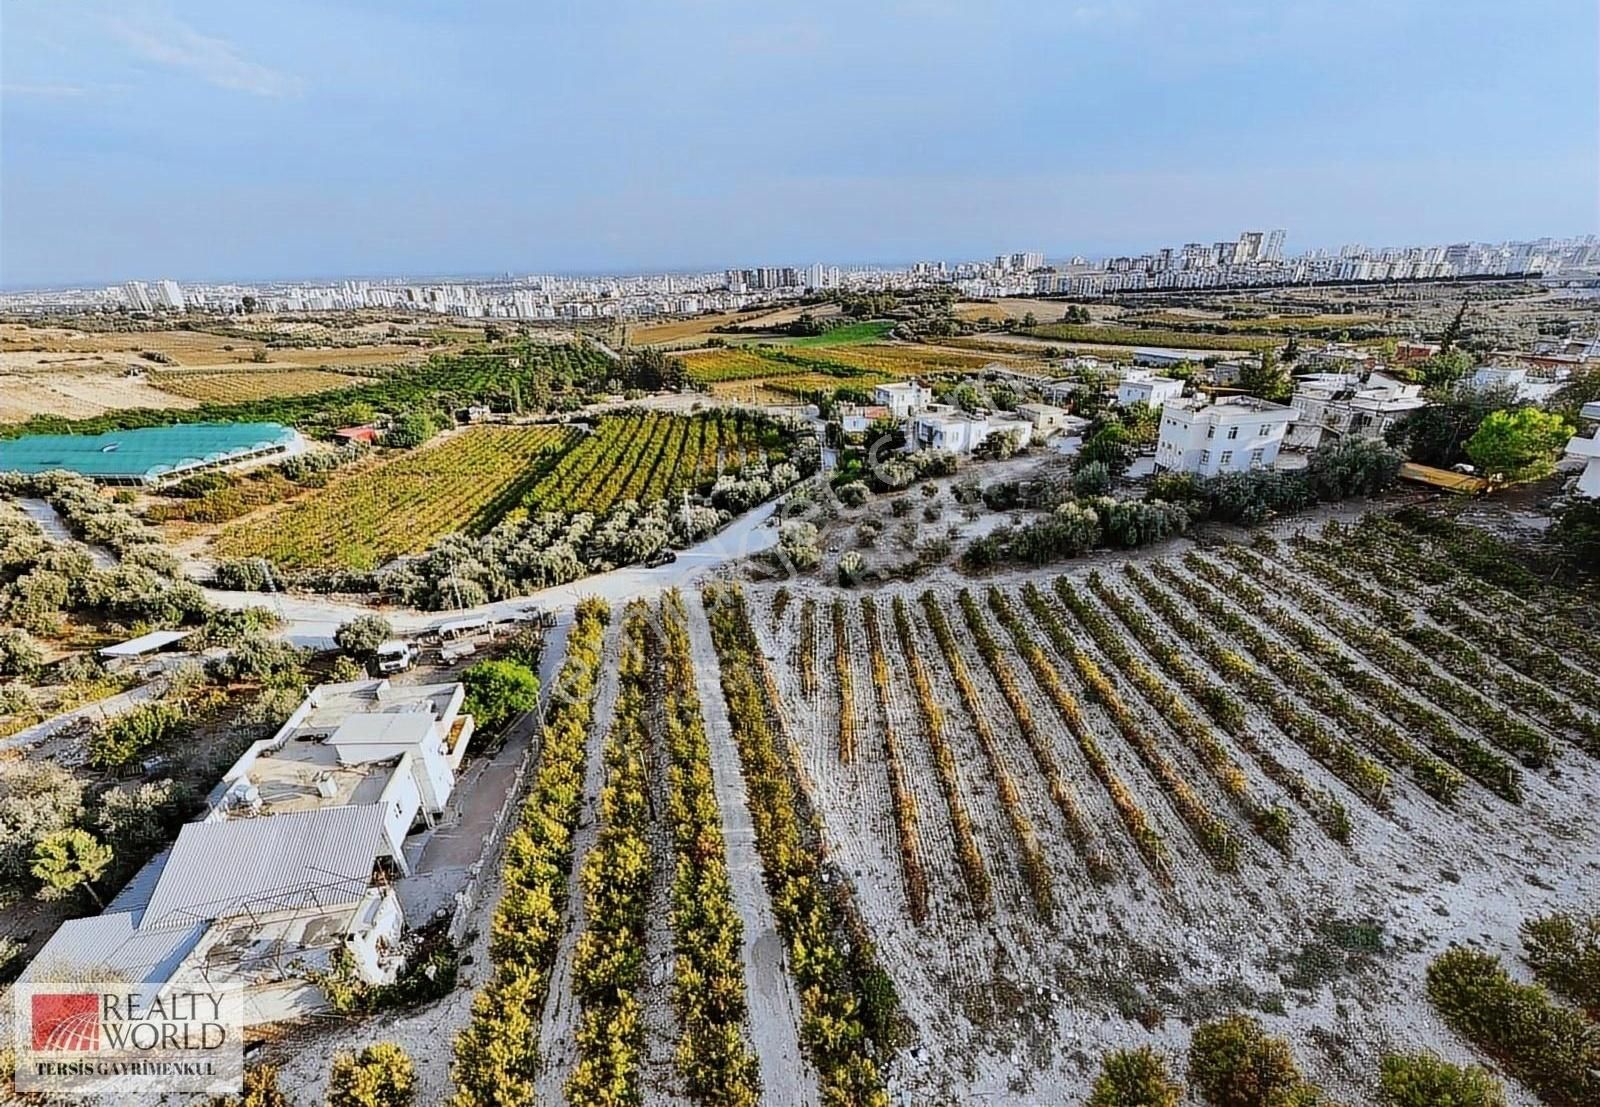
320, 139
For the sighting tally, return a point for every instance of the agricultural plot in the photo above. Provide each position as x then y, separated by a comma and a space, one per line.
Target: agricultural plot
1090, 811
828, 366
363, 519
648, 456
245, 385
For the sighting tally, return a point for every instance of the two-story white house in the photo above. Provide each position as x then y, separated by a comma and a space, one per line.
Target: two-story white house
1141, 386
943, 427
1228, 435
903, 399
1338, 405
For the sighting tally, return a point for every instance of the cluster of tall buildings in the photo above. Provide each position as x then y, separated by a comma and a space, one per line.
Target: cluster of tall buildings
1255, 258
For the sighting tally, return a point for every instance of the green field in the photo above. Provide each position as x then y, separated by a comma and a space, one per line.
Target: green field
849, 335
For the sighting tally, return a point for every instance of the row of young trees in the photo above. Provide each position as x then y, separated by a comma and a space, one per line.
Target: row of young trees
608, 962
496, 1055
901, 799
847, 1006
717, 1065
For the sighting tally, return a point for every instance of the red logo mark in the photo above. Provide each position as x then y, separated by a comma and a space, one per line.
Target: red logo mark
67, 1022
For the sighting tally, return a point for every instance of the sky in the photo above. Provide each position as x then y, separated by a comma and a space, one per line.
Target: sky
216, 139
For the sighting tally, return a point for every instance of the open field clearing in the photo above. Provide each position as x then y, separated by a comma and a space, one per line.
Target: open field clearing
363, 519
76, 389
1271, 324
794, 388
1091, 810
1114, 335
222, 388
1021, 345
686, 330
850, 334
1045, 311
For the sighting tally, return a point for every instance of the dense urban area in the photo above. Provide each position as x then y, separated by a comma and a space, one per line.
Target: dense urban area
1150, 680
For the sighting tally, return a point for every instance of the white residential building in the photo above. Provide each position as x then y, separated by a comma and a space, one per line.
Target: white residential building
942, 427
903, 399
1530, 389
1587, 450
170, 295
1141, 386
1346, 404
1228, 435
1046, 418
295, 859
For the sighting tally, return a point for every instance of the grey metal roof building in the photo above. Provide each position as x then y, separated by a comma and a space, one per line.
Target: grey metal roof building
298, 860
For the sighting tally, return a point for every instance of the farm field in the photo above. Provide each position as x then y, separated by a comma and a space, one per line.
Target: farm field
363, 519
1271, 324
646, 456
1090, 810
851, 334
222, 388
796, 371
1114, 335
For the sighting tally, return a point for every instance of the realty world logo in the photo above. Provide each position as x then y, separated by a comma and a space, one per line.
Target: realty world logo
138, 1041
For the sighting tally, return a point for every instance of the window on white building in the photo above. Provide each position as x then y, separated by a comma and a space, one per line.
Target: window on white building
1227, 457
1233, 432
1211, 432
1256, 456
1205, 457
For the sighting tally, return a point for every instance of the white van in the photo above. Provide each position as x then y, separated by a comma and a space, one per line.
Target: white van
395, 656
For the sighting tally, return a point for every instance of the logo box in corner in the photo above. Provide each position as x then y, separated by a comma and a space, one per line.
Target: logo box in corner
128, 1043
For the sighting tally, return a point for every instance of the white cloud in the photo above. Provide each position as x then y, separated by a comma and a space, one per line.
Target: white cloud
216, 61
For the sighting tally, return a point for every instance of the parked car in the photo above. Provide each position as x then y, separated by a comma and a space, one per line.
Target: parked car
395, 656
659, 558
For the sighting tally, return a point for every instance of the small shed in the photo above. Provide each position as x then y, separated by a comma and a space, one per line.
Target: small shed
366, 433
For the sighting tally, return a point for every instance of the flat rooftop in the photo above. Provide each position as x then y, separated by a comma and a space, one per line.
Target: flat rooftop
337, 702
307, 774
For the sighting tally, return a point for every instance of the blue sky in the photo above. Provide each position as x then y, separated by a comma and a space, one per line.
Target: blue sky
282, 138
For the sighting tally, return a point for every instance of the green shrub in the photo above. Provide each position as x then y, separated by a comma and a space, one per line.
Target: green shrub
381, 1075
1234, 1063
1555, 1052
499, 691
361, 636
1423, 1080
1135, 1078
1564, 950
125, 739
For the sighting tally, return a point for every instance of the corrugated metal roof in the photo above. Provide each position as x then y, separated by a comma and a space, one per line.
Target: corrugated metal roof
135, 894
300, 859
112, 945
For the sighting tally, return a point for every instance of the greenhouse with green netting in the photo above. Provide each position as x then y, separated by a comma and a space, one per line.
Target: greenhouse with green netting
148, 455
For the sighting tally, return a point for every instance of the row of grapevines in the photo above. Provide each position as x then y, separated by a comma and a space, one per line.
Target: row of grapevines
1501, 636
1144, 835
1467, 658
1225, 709
900, 797
1211, 832
1035, 868
831, 984
1272, 823
716, 1064
496, 1055
1465, 753
1420, 674
609, 961
844, 675
808, 647
973, 870
1366, 778
1433, 775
